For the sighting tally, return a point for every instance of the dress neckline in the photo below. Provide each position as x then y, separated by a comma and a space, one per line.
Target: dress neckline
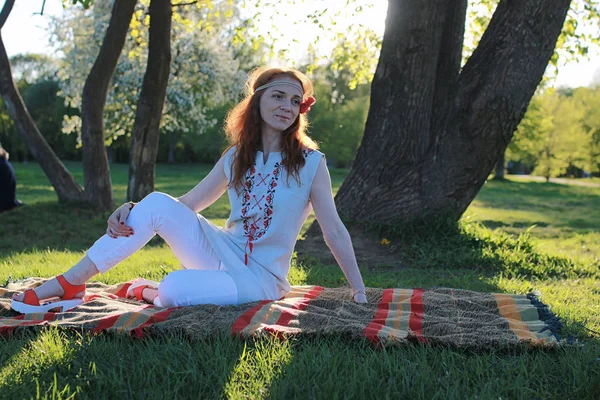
262, 157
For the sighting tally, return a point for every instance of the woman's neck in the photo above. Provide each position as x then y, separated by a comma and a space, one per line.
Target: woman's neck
270, 143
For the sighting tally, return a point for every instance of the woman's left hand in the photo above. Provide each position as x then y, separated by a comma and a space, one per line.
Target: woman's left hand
360, 298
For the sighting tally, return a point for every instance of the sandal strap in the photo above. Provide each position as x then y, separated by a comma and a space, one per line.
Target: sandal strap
31, 298
69, 289
138, 292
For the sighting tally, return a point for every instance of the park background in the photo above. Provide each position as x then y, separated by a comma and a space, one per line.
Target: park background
535, 230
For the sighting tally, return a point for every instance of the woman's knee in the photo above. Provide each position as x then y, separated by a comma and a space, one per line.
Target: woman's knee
155, 203
157, 199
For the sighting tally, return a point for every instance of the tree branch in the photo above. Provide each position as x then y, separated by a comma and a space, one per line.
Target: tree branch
8, 5
516, 47
185, 4
42, 11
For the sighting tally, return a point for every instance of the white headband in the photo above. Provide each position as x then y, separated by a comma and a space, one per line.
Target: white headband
276, 83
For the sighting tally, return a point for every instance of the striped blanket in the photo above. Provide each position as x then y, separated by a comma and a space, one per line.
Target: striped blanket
442, 316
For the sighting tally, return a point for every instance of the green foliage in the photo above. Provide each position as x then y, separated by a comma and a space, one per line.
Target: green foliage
578, 36
28, 68
85, 3
356, 56
560, 131
35, 77
204, 73
342, 88
338, 124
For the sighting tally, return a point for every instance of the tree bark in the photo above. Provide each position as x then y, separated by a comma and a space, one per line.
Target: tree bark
98, 186
144, 147
434, 132
63, 182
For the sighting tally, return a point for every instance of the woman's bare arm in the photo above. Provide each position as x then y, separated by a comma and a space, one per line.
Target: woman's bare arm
335, 233
208, 190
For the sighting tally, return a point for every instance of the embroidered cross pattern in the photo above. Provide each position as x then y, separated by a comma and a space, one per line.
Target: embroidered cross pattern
262, 179
251, 228
257, 201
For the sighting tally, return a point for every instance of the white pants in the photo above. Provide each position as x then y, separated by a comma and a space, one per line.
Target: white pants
205, 279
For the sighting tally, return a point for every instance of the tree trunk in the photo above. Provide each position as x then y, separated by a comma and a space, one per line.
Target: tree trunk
98, 186
146, 131
499, 170
434, 132
63, 182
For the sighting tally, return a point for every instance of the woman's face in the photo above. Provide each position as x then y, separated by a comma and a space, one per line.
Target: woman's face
280, 105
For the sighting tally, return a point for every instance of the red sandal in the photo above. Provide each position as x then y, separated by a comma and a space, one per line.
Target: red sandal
137, 288
31, 302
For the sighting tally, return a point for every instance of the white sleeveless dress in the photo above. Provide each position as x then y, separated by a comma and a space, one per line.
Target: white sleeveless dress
267, 213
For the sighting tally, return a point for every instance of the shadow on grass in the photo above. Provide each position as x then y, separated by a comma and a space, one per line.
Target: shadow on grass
443, 253
73, 227
62, 362
35, 355
470, 246
573, 207
335, 368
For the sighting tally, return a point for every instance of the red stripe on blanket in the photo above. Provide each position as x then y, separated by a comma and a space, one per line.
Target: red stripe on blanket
244, 320
371, 332
156, 318
8, 330
122, 293
287, 315
108, 322
415, 322
49, 316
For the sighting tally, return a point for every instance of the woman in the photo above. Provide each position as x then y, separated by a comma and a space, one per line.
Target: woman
273, 174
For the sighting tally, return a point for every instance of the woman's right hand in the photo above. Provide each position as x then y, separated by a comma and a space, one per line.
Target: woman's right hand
116, 222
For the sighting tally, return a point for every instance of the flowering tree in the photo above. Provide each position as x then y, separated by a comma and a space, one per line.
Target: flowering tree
203, 74
98, 189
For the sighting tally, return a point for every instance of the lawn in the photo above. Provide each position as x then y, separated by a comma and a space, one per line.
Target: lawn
516, 237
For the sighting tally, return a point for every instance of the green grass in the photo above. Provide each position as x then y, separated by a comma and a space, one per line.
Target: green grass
493, 249
562, 219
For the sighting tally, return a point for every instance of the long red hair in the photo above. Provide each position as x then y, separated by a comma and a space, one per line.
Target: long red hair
243, 123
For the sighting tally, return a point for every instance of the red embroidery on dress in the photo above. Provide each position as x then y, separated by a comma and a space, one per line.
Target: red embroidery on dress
307, 152
257, 202
251, 228
262, 179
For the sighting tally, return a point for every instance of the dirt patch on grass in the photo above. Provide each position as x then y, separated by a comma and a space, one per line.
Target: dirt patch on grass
368, 248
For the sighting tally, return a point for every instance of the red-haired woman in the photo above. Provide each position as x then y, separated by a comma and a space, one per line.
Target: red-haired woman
273, 175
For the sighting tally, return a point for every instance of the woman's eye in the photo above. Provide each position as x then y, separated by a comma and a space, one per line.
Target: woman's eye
296, 102
277, 96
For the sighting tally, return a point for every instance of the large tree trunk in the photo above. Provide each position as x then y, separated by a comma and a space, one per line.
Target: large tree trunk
63, 182
434, 132
98, 186
146, 131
